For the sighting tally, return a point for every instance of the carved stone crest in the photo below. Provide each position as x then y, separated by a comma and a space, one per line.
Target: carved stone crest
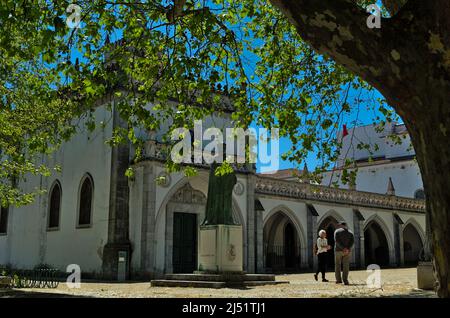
239, 188
164, 179
231, 252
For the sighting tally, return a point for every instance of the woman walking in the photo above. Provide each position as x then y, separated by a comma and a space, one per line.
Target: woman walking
322, 255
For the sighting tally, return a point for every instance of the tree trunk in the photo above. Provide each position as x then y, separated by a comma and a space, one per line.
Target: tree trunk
408, 61
430, 137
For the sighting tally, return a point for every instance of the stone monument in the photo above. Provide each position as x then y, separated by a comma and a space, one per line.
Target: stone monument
220, 238
220, 257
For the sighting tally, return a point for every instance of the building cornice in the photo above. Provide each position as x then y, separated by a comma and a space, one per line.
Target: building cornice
319, 193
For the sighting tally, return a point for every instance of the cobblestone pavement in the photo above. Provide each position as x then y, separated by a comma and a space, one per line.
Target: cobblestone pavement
395, 283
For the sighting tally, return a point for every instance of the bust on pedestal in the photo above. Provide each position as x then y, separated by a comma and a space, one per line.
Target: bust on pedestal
220, 241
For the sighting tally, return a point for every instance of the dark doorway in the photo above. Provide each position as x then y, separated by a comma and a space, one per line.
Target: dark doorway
289, 246
184, 242
412, 245
281, 245
376, 247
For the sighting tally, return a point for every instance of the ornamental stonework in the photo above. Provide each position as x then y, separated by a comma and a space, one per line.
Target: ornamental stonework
187, 194
270, 186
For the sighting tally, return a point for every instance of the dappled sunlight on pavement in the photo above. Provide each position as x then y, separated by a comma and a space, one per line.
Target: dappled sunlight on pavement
394, 283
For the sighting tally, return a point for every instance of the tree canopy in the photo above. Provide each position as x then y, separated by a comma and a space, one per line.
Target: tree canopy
190, 52
287, 64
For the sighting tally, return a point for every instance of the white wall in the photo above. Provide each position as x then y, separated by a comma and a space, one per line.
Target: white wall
393, 161
28, 242
380, 144
405, 176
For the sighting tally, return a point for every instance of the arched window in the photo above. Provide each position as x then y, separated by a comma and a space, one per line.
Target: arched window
3, 220
85, 201
419, 194
55, 206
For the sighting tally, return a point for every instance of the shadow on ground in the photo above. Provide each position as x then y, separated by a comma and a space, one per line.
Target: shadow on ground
17, 293
416, 293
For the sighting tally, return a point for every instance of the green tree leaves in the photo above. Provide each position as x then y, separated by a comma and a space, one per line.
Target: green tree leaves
163, 72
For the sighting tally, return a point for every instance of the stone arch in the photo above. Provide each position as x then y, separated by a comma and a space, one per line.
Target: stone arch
291, 215
182, 197
237, 213
187, 194
184, 213
413, 222
375, 229
180, 184
284, 240
413, 242
333, 214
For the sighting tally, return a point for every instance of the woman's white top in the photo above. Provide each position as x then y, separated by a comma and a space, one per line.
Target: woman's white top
322, 245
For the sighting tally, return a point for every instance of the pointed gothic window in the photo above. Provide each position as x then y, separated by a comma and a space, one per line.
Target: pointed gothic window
55, 206
85, 201
3, 220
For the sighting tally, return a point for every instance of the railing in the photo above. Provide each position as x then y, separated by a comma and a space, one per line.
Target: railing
279, 257
35, 278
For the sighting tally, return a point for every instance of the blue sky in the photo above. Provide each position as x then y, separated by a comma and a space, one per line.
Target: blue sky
359, 115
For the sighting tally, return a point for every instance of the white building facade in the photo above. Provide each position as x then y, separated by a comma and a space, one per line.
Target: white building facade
96, 217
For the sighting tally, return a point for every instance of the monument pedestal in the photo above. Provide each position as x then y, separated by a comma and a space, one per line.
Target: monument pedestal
221, 245
220, 249
220, 262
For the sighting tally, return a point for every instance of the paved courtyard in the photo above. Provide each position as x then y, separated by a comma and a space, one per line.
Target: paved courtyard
395, 283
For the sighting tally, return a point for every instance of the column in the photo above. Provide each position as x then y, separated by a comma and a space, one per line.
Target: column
358, 224
250, 226
311, 217
118, 220
398, 240
148, 220
259, 237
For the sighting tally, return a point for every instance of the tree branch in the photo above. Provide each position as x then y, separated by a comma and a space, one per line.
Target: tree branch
386, 58
338, 29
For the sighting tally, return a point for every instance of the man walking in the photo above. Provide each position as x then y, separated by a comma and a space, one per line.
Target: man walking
343, 244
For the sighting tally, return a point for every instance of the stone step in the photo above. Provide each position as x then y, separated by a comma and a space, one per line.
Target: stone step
186, 283
220, 277
260, 277
259, 283
211, 284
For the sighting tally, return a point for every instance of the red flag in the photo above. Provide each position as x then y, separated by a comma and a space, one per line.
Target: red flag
344, 131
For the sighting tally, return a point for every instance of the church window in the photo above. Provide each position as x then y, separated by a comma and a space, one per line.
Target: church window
55, 206
85, 201
3, 220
